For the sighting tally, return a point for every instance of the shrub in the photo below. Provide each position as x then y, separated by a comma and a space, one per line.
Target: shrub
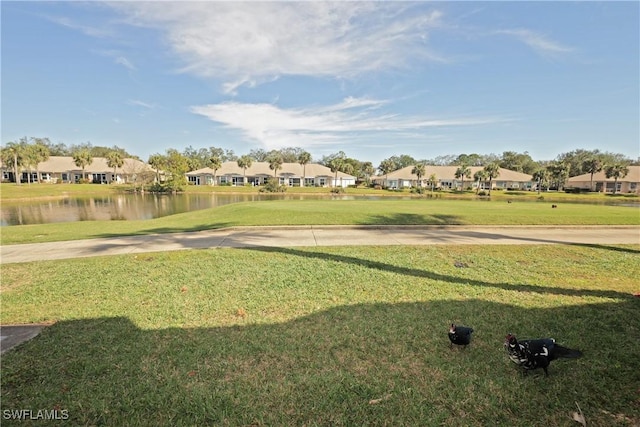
272, 186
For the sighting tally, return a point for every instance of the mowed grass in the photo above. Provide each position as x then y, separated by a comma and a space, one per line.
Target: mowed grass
325, 336
387, 211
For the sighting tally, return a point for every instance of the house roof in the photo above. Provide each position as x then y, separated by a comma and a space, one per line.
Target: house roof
632, 176
57, 164
449, 173
311, 170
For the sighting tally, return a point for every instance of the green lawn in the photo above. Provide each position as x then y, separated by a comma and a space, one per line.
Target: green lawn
388, 211
325, 336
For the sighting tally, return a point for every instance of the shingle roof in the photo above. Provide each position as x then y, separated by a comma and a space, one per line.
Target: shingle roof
311, 170
632, 176
449, 173
57, 164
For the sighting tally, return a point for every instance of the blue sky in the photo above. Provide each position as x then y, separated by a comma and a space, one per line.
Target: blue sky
371, 79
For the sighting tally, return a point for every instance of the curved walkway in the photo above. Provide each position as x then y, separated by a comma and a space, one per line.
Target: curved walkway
239, 237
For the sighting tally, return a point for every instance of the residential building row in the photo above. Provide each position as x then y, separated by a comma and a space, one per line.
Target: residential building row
64, 169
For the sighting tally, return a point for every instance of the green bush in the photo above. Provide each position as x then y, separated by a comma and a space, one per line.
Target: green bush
272, 186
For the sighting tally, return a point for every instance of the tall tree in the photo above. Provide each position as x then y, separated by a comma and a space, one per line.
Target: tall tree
493, 171
433, 180
41, 152
304, 158
592, 166
275, 164
13, 153
115, 161
559, 172
386, 166
480, 176
367, 171
335, 164
244, 162
541, 176
82, 158
616, 172
419, 171
215, 163
157, 162
176, 167
462, 172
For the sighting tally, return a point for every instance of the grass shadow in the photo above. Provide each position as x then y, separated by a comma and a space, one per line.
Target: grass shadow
413, 219
524, 287
363, 364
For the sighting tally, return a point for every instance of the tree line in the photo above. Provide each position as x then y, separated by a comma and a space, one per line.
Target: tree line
27, 153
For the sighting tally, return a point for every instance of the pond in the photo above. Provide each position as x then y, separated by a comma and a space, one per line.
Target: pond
147, 206
131, 206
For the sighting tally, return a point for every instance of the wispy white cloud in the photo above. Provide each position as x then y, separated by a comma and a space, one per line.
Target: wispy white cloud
274, 127
248, 43
86, 29
121, 60
141, 103
541, 44
117, 57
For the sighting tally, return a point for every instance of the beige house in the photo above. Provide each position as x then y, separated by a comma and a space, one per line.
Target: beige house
63, 169
290, 174
629, 184
446, 178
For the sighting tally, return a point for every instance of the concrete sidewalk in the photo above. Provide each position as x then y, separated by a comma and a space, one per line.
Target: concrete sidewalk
321, 236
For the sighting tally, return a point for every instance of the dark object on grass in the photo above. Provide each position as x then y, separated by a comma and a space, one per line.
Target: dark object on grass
460, 335
554, 206
538, 353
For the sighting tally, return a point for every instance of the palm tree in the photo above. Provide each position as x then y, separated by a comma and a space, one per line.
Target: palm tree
419, 171
480, 176
462, 172
592, 166
82, 158
367, 171
115, 161
493, 171
541, 176
304, 158
336, 165
244, 162
275, 163
41, 153
215, 163
433, 180
559, 173
387, 166
157, 161
29, 159
616, 171
13, 153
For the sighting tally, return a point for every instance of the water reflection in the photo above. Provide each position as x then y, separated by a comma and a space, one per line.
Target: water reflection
146, 206
130, 206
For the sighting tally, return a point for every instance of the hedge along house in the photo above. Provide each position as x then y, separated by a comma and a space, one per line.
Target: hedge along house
63, 169
445, 177
289, 174
628, 184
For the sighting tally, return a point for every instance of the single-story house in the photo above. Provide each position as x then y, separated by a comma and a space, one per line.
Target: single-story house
446, 178
290, 174
629, 184
63, 169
